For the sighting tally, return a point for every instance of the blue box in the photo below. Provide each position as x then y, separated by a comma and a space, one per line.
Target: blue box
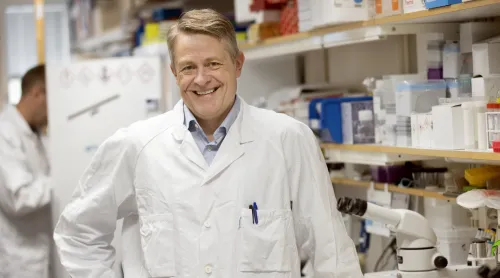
329, 116
430, 4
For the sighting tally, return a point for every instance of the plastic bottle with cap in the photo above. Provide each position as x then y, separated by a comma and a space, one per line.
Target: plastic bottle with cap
366, 130
481, 125
469, 125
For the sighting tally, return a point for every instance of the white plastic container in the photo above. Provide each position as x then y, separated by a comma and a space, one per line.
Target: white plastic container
418, 96
454, 244
469, 112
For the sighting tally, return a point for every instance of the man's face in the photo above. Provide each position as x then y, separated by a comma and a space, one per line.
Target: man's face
206, 75
40, 104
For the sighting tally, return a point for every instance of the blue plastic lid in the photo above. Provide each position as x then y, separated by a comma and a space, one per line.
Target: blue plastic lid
345, 99
421, 86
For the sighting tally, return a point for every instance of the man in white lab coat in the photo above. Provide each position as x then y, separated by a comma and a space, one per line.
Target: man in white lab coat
213, 188
25, 218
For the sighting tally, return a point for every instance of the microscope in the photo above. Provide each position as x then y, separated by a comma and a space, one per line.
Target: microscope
417, 253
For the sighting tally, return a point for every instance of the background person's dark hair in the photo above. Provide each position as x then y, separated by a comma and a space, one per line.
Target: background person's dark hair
31, 77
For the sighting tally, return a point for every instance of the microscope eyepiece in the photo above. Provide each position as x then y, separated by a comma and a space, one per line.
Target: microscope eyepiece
440, 262
352, 206
483, 271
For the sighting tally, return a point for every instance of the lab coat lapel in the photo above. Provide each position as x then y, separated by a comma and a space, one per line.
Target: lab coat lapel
188, 146
233, 146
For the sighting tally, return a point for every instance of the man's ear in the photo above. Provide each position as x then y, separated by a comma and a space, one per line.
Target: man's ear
240, 60
38, 90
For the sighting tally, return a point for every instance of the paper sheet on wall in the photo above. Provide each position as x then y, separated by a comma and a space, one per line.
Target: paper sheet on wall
382, 198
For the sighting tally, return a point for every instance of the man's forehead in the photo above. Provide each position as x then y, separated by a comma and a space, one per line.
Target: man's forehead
200, 44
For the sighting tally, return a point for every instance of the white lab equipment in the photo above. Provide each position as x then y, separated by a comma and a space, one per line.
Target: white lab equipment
477, 200
417, 253
88, 102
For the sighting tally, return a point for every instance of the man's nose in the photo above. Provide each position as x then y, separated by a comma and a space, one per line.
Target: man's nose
201, 78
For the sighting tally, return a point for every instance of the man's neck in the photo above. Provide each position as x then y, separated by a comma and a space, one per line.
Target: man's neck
25, 113
210, 126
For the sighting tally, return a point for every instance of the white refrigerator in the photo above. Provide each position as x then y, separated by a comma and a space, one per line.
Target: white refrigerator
87, 102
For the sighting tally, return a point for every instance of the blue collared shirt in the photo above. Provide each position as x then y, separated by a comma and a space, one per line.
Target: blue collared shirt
207, 148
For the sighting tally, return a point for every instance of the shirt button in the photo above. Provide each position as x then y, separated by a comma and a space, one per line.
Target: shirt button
208, 269
207, 224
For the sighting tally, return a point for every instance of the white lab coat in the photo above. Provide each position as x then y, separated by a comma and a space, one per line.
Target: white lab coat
183, 218
25, 217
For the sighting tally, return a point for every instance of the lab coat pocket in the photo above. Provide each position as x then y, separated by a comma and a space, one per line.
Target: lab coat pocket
266, 246
157, 240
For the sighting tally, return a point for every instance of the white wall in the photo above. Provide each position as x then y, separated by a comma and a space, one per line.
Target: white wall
349, 65
3, 64
260, 78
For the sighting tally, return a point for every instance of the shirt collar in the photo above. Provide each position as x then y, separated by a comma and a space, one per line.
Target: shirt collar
191, 123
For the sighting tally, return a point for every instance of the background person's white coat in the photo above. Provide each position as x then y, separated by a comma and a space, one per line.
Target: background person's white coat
183, 218
25, 192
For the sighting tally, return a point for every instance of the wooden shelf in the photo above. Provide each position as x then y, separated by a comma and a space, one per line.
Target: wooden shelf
393, 188
454, 13
454, 154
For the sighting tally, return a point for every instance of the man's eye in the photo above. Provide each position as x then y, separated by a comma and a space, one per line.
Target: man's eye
214, 64
187, 68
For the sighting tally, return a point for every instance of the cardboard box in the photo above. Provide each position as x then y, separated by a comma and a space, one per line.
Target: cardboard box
329, 12
258, 32
289, 18
411, 6
448, 122
425, 133
415, 131
305, 14
486, 58
487, 87
431, 4
474, 32
267, 16
260, 5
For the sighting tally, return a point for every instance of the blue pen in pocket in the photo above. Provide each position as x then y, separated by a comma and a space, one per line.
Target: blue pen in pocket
255, 214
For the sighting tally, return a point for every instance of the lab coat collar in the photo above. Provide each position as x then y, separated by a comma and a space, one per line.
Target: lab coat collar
241, 132
246, 129
18, 120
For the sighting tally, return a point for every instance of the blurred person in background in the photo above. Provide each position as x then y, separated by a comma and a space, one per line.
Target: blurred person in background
25, 193
213, 188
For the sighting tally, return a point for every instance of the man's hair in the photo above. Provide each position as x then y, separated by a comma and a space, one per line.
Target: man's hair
32, 77
206, 22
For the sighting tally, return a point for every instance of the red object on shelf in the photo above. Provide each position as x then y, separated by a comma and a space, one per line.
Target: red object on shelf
262, 5
289, 18
493, 105
496, 146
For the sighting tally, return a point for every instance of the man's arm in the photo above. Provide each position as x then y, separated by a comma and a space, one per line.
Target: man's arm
21, 190
321, 234
86, 227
